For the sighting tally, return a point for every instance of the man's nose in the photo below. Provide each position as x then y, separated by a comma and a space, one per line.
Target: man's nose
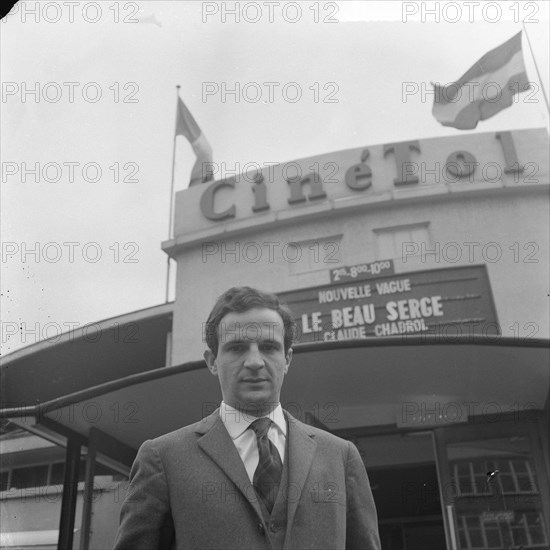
254, 359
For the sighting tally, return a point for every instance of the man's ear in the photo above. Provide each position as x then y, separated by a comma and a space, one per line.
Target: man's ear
288, 358
210, 359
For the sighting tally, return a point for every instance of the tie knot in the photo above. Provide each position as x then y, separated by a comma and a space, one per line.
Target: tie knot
261, 426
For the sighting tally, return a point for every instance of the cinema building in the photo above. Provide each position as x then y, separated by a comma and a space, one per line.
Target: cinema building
417, 273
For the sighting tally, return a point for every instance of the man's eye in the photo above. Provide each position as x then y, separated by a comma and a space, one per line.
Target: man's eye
270, 347
235, 347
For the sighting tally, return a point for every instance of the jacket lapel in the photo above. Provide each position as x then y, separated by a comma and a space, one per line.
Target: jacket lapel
302, 447
216, 442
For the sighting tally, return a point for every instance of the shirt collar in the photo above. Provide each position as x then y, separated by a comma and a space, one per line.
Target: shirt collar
236, 422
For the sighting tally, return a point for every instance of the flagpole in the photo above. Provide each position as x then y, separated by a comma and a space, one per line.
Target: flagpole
536, 66
171, 214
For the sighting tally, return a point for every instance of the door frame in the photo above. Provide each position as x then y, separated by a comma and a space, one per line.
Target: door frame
485, 429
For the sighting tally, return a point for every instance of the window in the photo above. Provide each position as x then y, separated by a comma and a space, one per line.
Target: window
313, 255
515, 476
57, 473
47, 474
516, 530
403, 240
30, 476
4, 481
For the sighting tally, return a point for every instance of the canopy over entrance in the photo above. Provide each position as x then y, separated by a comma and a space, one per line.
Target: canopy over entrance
409, 383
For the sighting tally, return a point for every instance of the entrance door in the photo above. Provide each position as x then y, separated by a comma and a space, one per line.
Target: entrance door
494, 486
404, 481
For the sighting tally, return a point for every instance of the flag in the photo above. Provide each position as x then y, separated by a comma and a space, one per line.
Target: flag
187, 126
483, 90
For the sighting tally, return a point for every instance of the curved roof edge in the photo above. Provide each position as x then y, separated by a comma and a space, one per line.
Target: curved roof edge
310, 158
393, 341
74, 334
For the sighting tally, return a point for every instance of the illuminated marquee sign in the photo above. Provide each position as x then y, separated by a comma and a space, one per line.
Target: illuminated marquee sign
359, 177
446, 302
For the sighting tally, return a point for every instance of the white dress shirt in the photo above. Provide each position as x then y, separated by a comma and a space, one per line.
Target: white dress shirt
237, 423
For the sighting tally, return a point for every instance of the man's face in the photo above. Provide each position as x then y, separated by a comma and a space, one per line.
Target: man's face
251, 361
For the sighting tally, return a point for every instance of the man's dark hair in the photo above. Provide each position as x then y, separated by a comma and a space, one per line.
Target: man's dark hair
241, 299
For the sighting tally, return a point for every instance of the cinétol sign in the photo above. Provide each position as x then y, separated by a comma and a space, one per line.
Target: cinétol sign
376, 173
444, 302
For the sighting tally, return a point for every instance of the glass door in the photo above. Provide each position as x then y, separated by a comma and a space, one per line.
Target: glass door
494, 486
404, 481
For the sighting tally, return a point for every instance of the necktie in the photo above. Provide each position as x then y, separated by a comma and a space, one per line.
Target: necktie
267, 476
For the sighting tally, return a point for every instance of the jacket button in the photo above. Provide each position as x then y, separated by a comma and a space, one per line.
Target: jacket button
261, 529
274, 527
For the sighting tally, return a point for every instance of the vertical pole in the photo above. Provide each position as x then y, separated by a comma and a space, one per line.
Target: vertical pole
171, 214
451, 524
536, 67
88, 490
70, 491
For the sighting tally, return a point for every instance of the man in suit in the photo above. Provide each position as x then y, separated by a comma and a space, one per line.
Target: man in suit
249, 476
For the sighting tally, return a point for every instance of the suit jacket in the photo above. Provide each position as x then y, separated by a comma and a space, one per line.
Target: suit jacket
190, 488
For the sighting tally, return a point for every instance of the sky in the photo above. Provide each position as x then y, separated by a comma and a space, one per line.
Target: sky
89, 100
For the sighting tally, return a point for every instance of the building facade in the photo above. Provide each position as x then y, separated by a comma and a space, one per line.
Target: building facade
417, 273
